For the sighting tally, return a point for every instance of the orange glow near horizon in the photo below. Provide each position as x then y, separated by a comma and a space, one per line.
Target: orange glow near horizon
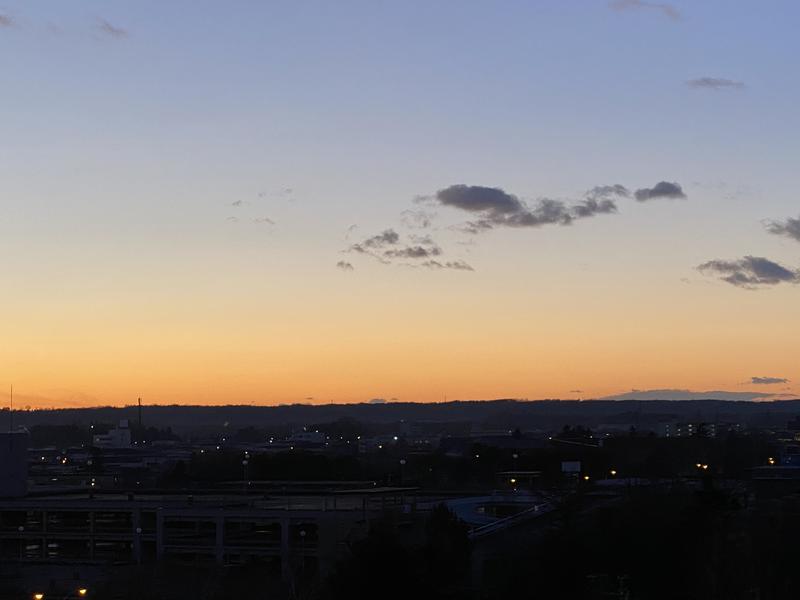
337, 347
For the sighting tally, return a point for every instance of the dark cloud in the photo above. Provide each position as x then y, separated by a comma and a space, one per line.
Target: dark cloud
750, 272
344, 265
668, 10
715, 83
238, 203
111, 30
663, 189
458, 265
768, 380
790, 228
477, 198
498, 208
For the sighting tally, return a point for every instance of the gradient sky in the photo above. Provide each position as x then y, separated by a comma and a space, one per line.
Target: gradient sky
178, 181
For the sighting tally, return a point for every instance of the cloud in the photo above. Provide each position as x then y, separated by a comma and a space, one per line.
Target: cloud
238, 203
750, 272
715, 83
498, 208
344, 266
389, 237
671, 394
663, 189
458, 265
790, 228
668, 10
6, 20
111, 30
600, 200
768, 380
413, 252
477, 198
417, 219
265, 220
386, 246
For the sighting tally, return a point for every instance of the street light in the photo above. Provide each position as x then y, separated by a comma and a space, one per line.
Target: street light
38, 596
82, 592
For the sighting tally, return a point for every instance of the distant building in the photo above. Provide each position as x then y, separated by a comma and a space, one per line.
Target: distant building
703, 429
120, 437
14, 464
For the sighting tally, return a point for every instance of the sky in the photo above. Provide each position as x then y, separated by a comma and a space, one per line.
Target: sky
276, 202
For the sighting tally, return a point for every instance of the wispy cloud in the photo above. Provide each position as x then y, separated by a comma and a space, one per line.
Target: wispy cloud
674, 394
715, 83
6, 20
344, 265
668, 10
789, 228
458, 265
750, 272
768, 380
388, 247
379, 242
264, 220
663, 189
417, 219
111, 30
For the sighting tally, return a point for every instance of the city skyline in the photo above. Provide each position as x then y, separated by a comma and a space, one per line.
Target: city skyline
277, 203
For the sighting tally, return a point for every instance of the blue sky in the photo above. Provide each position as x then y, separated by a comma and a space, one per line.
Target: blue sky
130, 129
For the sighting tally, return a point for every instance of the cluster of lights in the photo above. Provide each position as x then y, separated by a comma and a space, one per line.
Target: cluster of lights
702, 466
80, 593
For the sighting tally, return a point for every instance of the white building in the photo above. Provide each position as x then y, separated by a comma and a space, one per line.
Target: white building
120, 437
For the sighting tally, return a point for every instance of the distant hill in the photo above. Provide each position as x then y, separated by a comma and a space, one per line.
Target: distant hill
490, 414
